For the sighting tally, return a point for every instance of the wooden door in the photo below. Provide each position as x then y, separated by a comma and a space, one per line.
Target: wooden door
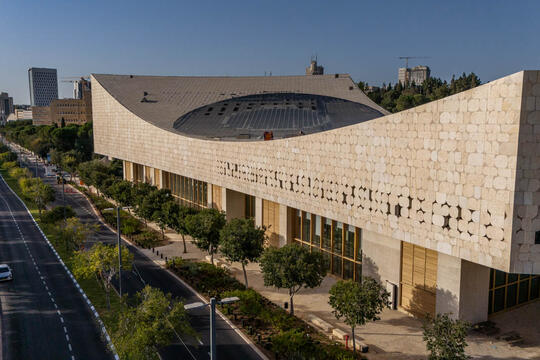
418, 279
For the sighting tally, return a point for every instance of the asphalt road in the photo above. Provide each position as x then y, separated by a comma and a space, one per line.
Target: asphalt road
43, 315
230, 345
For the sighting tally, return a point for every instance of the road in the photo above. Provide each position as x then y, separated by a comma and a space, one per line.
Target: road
43, 315
230, 345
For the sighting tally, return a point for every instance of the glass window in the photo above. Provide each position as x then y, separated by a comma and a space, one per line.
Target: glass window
297, 224
498, 303
317, 231
358, 272
338, 238
327, 233
490, 301
523, 292
348, 250
326, 257
306, 227
535, 287
512, 278
336, 265
348, 269
500, 278
511, 295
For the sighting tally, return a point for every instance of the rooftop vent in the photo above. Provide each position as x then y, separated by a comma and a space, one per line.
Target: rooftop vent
336, 76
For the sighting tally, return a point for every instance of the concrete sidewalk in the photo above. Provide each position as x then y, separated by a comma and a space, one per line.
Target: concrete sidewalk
397, 335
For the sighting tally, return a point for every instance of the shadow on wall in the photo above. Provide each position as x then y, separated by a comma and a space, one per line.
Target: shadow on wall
370, 269
424, 301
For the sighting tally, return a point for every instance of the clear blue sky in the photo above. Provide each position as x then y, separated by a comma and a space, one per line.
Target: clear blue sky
364, 38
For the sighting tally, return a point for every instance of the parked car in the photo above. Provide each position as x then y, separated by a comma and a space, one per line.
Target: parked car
5, 273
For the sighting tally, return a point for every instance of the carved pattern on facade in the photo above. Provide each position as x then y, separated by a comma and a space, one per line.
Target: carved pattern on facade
448, 168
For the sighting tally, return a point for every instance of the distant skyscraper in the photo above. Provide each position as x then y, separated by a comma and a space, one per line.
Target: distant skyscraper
43, 86
79, 86
6, 106
416, 75
314, 69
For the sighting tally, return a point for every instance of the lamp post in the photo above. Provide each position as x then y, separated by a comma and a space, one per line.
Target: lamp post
212, 303
119, 241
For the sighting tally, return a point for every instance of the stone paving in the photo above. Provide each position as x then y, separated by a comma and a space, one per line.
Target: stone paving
397, 335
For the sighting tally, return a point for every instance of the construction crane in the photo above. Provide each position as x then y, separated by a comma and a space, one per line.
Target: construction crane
72, 79
411, 57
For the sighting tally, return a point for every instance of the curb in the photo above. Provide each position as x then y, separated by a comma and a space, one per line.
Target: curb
227, 321
88, 302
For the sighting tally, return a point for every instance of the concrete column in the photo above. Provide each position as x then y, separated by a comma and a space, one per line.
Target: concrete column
160, 180
124, 169
284, 225
258, 211
209, 195
224, 199
462, 288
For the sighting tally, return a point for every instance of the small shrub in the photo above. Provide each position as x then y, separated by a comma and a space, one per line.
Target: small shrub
57, 214
147, 239
7, 156
250, 304
17, 172
8, 165
295, 345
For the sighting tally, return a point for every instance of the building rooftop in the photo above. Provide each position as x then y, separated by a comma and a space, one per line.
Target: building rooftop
234, 108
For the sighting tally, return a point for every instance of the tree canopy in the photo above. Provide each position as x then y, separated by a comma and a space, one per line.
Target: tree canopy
445, 337
204, 227
292, 267
358, 303
243, 242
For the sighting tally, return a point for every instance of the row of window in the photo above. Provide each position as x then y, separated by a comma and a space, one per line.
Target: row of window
340, 244
507, 290
188, 191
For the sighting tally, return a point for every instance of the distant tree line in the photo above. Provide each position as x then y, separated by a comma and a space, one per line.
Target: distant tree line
400, 97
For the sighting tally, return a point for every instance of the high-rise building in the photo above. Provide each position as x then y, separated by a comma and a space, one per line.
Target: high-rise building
314, 69
79, 86
416, 75
43, 85
6, 106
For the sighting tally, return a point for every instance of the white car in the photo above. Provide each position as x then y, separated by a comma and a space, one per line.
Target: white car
5, 273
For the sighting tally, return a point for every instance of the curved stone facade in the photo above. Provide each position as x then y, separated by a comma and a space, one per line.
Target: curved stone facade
459, 175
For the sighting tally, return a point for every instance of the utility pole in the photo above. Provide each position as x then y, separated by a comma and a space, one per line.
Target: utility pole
213, 354
119, 251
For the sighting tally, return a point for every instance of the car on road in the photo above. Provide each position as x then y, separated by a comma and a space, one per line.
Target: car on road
5, 273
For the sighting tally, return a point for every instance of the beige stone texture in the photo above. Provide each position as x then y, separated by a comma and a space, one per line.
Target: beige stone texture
458, 175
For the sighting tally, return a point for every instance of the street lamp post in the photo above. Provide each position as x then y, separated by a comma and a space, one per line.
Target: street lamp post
212, 303
119, 241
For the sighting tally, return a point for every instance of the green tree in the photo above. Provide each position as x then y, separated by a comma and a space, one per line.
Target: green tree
358, 303
74, 233
241, 241
101, 261
150, 325
37, 191
292, 267
156, 208
180, 224
140, 192
69, 163
445, 337
204, 227
57, 213
121, 191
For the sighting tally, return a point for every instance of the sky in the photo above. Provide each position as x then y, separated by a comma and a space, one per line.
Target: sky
492, 38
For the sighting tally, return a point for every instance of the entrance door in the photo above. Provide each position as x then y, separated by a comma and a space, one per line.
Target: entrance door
418, 279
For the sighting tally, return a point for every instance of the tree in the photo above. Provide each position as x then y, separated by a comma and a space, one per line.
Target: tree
241, 241
180, 225
358, 303
156, 208
121, 191
37, 191
139, 192
292, 267
204, 227
150, 325
445, 338
74, 233
57, 213
101, 261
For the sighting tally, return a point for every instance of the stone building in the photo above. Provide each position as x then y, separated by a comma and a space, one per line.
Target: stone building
70, 111
314, 69
440, 203
416, 75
